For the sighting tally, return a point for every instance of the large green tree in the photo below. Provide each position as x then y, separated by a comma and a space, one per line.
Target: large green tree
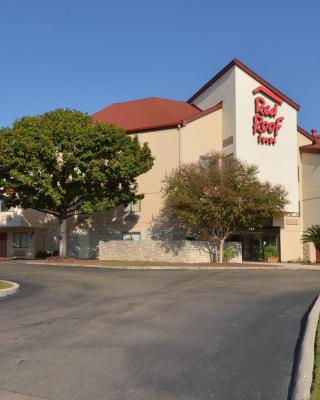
221, 194
63, 164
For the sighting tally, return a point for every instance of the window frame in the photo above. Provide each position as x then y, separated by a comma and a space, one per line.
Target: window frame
20, 243
130, 207
131, 234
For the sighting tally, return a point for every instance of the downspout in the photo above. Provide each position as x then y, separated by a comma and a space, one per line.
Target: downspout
179, 145
180, 125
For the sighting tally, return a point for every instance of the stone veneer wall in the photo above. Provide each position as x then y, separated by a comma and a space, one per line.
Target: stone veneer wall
100, 241
81, 243
306, 251
155, 250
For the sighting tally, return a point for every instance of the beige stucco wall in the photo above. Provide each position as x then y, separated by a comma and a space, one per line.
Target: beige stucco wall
17, 217
170, 148
201, 136
292, 225
224, 89
36, 242
311, 192
290, 237
165, 147
29, 221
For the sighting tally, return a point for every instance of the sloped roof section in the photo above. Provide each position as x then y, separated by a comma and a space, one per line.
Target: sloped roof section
249, 71
146, 114
311, 148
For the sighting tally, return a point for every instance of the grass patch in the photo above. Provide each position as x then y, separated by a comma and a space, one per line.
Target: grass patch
5, 285
315, 389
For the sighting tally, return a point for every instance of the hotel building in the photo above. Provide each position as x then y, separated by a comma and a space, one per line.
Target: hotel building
237, 112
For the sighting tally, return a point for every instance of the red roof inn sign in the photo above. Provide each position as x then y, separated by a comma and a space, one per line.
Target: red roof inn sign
266, 123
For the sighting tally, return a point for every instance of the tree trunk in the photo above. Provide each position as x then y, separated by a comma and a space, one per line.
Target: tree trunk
221, 245
62, 237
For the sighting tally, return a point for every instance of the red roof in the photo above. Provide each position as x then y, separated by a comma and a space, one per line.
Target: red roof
249, 71
149, 113
312, 148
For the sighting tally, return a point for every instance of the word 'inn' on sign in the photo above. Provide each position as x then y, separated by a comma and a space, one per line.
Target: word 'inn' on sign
265, 122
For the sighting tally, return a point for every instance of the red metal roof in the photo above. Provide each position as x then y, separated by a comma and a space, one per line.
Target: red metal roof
311, 148
145, 114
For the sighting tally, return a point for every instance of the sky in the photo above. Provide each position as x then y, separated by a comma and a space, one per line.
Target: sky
87, 54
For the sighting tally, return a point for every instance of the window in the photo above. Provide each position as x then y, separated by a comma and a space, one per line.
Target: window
294, 214
204, 160
20, 240
228, 160
131, 236
134, 206
2, 206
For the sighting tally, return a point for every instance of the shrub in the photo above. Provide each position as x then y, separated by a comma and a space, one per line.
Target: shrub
228, 254
270, 252
312, 235
42, 254
299, 261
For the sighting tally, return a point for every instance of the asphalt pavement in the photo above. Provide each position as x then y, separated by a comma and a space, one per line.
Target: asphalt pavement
97, 334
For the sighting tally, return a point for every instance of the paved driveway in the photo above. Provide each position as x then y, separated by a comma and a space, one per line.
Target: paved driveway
89, 334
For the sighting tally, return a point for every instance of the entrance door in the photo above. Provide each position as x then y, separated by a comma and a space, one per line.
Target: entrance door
3, 244
83, 245
253, 243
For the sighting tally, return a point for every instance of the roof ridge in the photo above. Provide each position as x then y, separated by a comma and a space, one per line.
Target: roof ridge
168, 110
239, 64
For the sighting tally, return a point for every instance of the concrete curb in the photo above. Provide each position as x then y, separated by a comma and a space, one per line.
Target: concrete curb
304, 375
9, 291
254, 267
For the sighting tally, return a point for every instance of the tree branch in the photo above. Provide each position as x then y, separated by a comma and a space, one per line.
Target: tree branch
75, 201
46, 211
75, 206
74, 214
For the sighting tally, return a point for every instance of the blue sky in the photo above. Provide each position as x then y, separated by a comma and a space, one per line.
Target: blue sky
86, 54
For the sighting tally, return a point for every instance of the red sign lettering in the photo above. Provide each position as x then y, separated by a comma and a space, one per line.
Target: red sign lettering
265, 122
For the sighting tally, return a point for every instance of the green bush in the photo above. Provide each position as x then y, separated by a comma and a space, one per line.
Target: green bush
228, 253
312, 235
42, 254
270, 252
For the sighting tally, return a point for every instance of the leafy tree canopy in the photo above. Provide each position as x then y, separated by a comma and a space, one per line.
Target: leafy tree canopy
221, 194
60, 161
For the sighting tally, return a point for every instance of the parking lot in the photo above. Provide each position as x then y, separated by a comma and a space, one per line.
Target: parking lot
87, 333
